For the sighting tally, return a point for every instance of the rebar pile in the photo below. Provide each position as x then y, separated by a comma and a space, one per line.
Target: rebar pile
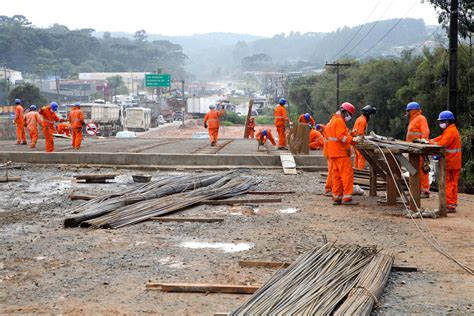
157, 198
316, 283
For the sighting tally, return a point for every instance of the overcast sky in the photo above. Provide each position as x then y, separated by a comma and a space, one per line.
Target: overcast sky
186, 17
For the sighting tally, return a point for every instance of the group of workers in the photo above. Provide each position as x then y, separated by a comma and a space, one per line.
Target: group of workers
50, 124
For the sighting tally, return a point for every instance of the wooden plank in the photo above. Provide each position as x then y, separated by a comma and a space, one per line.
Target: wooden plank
271, 192
83, 197
405, 163
187, 219
404, 269
262, 264
415, 185
442, 185
241, 201
288, 163
392, 192
373, 182
96, 176
203, 288
10, 179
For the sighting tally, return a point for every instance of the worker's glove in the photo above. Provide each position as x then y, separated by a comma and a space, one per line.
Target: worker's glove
426, 166
436, 158
310, 126
358, 139
420, 141
261, 142
205, 125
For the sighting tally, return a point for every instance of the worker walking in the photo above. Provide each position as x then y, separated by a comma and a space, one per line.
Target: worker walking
339, 151
76, 117
20, 123
360, 129
280, 122
251, 127
451, 140
316, 140
49, 117
33, 119
211, 122
418, 129
263, 135
307, 119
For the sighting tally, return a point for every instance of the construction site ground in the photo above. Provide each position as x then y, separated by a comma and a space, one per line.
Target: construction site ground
45, 268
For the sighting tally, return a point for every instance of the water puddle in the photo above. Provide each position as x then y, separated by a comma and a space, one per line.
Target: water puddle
289, 210
226, 247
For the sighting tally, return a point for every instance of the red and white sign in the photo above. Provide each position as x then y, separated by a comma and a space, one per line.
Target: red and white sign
91, 129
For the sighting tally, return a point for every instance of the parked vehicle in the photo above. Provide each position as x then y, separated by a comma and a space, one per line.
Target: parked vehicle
137, 119
107, 117
199, 106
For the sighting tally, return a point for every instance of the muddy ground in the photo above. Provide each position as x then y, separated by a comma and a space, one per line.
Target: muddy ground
45, 268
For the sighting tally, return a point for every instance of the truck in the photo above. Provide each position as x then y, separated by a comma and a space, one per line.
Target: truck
199, 106
137, 119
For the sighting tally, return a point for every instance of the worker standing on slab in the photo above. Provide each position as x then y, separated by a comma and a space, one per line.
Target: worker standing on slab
451, 140
339, 152
263, 135
418, 130
76, 117
280, 122
307, 119
33, 119
360, 129
49, 117
64, 129
211, 122
316, 139
251, 127
20, 123
323, 130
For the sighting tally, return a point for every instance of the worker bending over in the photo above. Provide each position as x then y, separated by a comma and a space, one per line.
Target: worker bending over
280, 122
306, 119
211, 122
49, 117
76, 117
263, 135
33, 119
360, 129
251, 127
316, 140
20, 123
64, 129
418, 130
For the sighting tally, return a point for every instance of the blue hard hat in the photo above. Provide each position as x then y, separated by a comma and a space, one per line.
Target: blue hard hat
307, 116
32, 107
446, 115
264, 132
17, 101
54, 106
282, 101
413, 106
77, 104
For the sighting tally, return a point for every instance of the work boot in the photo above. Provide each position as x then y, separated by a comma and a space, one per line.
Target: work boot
213, 144
337, 203
351, 202
328, 193
24, 143
425, 195
33, 146
282, 148
451, 208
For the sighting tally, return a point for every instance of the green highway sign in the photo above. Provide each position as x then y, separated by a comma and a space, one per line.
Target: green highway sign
157, 80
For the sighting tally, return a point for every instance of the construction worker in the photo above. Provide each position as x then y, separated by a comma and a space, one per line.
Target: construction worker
418, 130
251, 127
64, 129
263, 135
280, 122
33, 119
360, 129
328, 186
211, 122
20, 123
76, 117
339, 152
451, 140
316, 140
307, 119
49, 117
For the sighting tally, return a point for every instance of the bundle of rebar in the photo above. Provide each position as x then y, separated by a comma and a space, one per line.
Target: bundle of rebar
298, 139
158, 198
316, 283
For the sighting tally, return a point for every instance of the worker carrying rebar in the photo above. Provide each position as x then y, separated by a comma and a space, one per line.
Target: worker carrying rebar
307, 119
281, 119
360, 129
451, 140
263, 135
76, 117
33, 119
20, 123
323, 130
211, 122
49, 118
418, 130
316, 139
339, 152
251, 127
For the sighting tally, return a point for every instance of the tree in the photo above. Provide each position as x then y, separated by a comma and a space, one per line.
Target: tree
256, 62
466, 24
140, 36
117, 84
28, 94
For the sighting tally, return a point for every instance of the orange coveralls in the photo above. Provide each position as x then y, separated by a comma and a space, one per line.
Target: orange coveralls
418, 128
63, 128
212, 121
339, 152
452, 141
315, 140
251, 127
76, 117
328, 185
262, 139
280, 119
360, 127
49, 117
302, 120
20, 125
33, 119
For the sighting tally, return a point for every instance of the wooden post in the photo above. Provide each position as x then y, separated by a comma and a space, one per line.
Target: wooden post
373, 182
415, 182
392, 191
442, 184
249, 114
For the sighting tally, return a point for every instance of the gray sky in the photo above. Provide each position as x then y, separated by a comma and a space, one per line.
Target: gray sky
186, 17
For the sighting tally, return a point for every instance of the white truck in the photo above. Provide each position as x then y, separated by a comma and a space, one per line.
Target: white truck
199, 106
137, 119
107, 117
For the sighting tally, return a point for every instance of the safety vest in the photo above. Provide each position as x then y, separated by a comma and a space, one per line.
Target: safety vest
280, 116
339, 140
451, 140
418, 127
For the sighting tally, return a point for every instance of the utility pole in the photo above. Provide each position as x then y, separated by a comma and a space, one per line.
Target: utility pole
337, 65
184, 100
453, 57
6, 82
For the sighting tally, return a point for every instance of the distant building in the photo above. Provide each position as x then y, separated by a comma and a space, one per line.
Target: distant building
133, 80
11, 75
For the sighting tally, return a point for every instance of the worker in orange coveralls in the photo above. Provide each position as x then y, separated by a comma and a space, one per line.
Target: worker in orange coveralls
316, 140
418, 130
64, 129
33, 119
76, 117
451, 140
280, 122
328, 186
339, 152
263, 135
211, 122
360, 129
20, 123
307, 119
251, 127
49, 117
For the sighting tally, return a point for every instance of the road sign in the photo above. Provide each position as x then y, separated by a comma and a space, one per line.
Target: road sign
157, 80
91, 129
